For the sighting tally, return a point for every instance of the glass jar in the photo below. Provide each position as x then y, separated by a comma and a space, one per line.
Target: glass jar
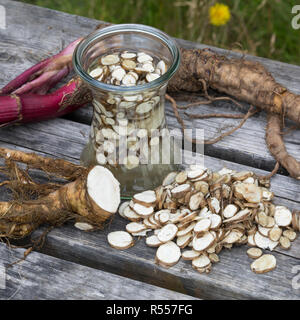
135, 146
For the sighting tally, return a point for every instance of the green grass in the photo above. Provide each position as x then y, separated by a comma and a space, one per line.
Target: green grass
259, 27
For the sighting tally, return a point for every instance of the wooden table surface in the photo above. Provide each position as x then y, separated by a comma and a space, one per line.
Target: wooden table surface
78, 265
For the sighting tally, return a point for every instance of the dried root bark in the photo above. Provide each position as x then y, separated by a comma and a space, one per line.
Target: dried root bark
245, 80
58, 167
92, 198
277, 148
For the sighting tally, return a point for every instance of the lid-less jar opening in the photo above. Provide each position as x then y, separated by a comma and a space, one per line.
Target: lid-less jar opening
126, 37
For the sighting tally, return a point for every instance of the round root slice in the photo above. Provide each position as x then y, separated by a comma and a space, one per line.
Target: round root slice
190, 254
275, 233
216, 221
164, 217
110, 59
134, 227
169, 179
233, 237
283, 216
215, 205
142, 210
153, 241
83, 226
290, 234
130, 214
122, 208
194, 174
168, 254
195, 201
106, 201
241, 215
128, 64
128, 55
146, 198
284, 243
254, 253
202, 225
181, 177
263, 231
183, 241
265, 263
144, 108
180, 191
251, 240
167, 233
148, 224
248, 191
230, 210
264, 242
96, 73
201, 262
204, 242
152, 76
120, 240
186, 230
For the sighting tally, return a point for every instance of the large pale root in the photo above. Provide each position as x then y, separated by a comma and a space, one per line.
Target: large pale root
277, 148
245, 80
93, 198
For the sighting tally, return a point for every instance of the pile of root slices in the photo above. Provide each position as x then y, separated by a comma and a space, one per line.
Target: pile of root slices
196, 213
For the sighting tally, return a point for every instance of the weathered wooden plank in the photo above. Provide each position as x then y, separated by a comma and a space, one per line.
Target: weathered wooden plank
231, 278
42, 277
64, 138
92, 250
24, 43
28, 47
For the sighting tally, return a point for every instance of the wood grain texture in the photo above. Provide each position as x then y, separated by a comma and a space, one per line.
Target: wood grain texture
42, 277
231, 278
44, 32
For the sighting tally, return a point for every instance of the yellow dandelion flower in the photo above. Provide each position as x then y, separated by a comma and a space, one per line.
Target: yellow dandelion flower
219, 14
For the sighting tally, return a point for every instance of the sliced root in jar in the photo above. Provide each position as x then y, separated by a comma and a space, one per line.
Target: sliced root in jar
120, 240
168, 254
265, 263
254, 253
110, 59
